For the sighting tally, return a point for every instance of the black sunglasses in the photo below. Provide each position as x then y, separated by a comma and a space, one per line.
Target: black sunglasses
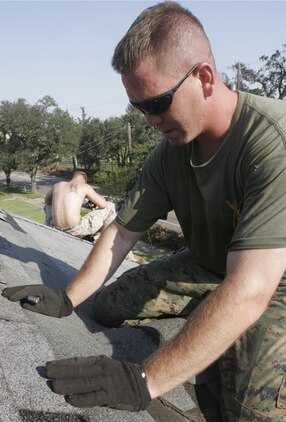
161, 103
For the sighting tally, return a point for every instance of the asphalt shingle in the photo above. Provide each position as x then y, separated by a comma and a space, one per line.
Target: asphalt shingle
32, 253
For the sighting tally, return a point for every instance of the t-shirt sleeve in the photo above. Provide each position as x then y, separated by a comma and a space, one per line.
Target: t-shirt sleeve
149, 200
262, 219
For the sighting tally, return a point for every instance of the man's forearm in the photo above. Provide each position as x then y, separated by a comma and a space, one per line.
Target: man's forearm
104, 259
207, 334
253, 276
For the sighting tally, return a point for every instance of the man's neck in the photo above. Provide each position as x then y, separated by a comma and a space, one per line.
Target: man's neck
206, 149
221, 119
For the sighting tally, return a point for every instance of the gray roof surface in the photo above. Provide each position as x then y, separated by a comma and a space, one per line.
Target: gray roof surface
31, 253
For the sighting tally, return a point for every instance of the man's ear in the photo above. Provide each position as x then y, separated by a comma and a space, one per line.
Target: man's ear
206, 76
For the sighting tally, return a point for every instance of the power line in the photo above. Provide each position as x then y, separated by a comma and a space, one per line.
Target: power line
96, 142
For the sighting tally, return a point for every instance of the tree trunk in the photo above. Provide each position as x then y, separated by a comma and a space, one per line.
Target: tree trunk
8, 179
97, 164
33, 173
74, 162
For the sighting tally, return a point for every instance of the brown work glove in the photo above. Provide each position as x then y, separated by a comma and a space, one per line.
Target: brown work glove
99, 381
41, 299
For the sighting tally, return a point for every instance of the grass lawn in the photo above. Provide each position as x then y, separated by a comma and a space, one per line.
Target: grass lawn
22, 208
25, 204
31, 206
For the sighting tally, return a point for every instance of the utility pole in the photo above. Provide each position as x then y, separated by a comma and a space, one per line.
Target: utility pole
129, 142
238, 76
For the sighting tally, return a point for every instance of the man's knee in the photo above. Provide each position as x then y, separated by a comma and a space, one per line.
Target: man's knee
256, 409
253, 370
103, 310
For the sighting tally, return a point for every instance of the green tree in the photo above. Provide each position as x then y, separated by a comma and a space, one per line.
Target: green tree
44, 136
144, 137
13, 118
92, 146
272, 75
66, 131
118, 140
35, 133
269, 80
131, 140
244, 78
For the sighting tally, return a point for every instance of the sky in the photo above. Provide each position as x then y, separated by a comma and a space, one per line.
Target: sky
64, 48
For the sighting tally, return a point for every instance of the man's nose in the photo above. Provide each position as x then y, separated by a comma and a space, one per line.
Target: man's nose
152, 119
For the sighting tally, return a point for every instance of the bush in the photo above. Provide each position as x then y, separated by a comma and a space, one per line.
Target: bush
54, 169
118, 183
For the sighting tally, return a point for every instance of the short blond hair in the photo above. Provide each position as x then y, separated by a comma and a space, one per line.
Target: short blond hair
166, 30
80, 173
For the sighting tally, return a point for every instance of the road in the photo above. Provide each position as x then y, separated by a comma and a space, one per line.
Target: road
22, 179
44, 184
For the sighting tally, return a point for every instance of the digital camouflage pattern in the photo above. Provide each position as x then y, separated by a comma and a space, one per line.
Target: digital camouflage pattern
169, 286
94, 221
89, 224
253, 370
253, 385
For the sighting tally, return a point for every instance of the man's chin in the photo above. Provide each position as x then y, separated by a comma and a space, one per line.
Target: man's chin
177, 141
178, 137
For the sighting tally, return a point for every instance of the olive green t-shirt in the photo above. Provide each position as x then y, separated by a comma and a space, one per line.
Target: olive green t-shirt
235, 201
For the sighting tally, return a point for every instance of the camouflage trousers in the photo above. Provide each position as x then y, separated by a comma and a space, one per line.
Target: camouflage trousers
89, 224
94, 221
252, 372
48, 215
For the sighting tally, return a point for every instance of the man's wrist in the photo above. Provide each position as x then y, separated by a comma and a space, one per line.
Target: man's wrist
141, 369
149, 379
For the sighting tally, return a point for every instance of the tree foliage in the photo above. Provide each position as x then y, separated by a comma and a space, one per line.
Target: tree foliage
272, 75
116, 140
115, 149
92, 148
129, 147
13, 117
33, 134
269, 80
123, 140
